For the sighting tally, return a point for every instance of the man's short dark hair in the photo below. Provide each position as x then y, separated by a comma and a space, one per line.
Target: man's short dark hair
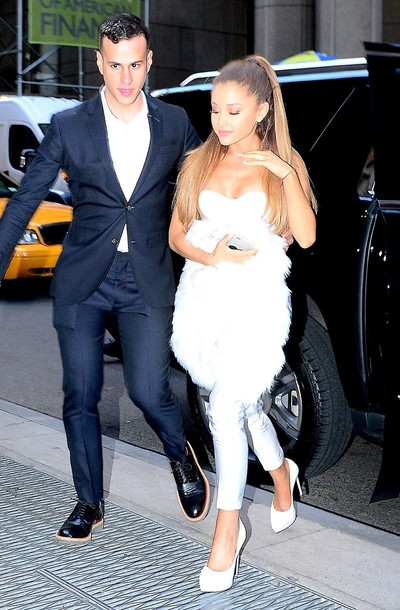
122, 27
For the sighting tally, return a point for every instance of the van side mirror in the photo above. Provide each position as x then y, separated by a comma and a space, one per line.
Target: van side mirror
26, 157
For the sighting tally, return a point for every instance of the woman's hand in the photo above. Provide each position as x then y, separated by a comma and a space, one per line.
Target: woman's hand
301, 217
224, 254
288, 237
269, 160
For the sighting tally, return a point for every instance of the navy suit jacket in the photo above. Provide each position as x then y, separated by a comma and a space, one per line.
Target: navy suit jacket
76, 141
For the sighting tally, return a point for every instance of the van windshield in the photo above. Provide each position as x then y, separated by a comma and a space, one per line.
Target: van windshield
44, 126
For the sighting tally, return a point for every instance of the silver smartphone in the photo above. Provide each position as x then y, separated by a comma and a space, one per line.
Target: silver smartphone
238, 243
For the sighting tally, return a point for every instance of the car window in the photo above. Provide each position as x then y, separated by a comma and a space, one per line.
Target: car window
329, 122
6, 189
384, 79
366, 184
44, 126
21, 137
198, 106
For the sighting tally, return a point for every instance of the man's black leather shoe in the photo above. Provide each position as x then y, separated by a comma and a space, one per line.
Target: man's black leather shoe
83, 519
193, 489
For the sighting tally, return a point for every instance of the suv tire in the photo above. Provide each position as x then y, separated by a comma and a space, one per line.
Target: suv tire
307, 405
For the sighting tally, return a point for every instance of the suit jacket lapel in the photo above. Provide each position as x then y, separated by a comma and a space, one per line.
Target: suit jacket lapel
155, 123
97, 127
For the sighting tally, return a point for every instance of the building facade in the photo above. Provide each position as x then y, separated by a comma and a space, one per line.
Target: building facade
199, 35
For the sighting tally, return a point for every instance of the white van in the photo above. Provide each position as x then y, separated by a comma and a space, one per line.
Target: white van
23, 123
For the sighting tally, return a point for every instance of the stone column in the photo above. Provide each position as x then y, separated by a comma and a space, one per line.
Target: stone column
283, 27
343, 25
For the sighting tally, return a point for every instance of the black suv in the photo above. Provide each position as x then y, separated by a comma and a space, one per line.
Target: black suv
342, 371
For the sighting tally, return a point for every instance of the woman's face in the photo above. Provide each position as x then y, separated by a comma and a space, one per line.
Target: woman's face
234, 115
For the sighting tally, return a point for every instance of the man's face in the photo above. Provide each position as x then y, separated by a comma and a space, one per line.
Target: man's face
124, 67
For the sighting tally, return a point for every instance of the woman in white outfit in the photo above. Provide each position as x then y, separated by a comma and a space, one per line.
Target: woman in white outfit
244, 187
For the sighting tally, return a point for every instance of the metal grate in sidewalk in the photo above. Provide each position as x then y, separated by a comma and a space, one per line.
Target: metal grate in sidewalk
134, 563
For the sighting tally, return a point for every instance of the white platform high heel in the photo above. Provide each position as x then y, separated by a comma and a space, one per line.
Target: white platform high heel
282, 519
212, 581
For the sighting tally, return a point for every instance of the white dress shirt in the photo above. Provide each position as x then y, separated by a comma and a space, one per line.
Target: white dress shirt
129, 145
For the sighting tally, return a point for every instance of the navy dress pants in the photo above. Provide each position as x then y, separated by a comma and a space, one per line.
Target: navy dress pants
145, 334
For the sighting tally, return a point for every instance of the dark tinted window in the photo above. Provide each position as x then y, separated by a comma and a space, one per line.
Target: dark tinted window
329, 122
20, 137
6, 189
197, 104
44, 126
384, 70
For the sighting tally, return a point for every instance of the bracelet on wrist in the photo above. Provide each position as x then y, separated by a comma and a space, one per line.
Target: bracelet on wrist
289, 172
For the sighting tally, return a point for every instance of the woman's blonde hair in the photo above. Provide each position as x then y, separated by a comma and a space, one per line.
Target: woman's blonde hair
257, 75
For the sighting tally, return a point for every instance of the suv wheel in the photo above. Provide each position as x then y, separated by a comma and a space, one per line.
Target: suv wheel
307, 405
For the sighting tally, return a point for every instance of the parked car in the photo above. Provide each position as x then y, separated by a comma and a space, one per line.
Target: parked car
24, 120
37, 252
342, 369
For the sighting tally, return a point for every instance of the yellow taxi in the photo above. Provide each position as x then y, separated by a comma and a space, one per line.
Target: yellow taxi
37, 251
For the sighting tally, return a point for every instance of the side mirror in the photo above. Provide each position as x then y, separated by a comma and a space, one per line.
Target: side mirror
26, 158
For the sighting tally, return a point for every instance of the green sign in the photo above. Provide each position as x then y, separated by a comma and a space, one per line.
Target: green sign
73, 22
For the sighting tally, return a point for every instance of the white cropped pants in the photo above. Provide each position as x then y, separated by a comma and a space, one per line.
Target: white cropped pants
235, 426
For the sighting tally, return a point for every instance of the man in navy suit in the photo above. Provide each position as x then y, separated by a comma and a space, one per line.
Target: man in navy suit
120, 150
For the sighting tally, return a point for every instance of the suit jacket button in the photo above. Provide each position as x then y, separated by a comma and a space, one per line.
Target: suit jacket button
129, 207
114, 241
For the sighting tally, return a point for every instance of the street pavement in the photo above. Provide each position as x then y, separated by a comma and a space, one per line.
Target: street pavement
149, 556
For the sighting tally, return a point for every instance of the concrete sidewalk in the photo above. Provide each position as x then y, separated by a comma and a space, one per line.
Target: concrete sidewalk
149, 556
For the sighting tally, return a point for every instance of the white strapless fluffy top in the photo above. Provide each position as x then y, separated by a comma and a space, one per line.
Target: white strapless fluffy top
243, 216
215, 206
231, 320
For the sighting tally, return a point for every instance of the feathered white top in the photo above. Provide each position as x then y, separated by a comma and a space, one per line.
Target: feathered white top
232, 321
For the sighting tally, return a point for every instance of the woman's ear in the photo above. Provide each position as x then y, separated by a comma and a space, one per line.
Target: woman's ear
262, 111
